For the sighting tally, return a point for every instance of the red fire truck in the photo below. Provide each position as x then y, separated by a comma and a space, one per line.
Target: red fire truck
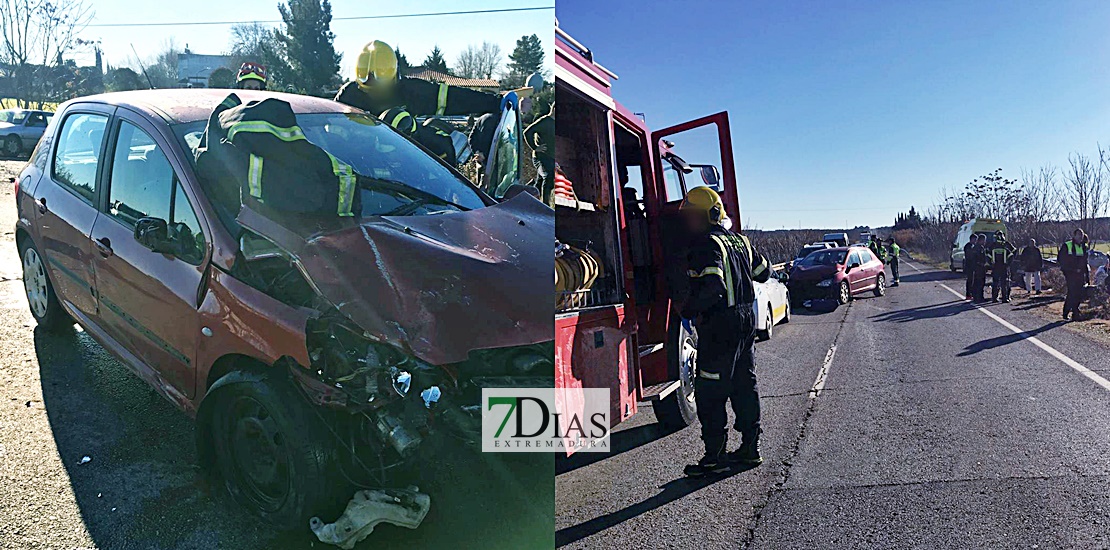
622, 331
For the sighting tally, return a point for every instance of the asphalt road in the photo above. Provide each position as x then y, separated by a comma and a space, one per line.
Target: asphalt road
938, 427
63, 398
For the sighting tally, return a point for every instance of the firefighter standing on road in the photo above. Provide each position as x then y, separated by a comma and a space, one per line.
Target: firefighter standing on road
893, 251
377, 88
1072, 259
970, 249
1001, 253
722, 266
978, 288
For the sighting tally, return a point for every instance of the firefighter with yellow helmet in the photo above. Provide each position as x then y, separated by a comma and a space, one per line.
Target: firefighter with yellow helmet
722, 266
378, 87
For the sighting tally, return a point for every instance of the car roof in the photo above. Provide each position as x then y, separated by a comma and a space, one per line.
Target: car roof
21, 110
180, 105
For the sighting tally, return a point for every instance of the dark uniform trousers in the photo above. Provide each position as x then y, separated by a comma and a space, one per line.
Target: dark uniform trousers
1076, 281
1000, 281
729, 352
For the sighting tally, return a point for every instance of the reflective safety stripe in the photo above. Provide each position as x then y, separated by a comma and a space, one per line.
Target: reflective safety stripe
709, 375
346, 177
397, 119
263, 127
712, 270
254, 176
729, 290
441, 103
760, 268
1076, 249
229, 101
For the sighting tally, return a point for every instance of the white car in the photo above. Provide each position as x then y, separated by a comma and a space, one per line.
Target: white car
772, 305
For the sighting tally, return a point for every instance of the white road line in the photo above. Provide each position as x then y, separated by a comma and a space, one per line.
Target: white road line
823, 374
1037, 342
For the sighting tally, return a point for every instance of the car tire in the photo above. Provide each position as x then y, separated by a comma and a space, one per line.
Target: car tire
12, 146
269, 448
44, 305
679, 410
789, 306
845, 293
766, 333
880, 285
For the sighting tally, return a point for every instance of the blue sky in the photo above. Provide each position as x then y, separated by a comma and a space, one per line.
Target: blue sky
415, 36
853, 111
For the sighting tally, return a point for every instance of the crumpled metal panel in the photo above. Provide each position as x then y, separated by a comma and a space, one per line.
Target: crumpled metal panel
368, 508
437, 286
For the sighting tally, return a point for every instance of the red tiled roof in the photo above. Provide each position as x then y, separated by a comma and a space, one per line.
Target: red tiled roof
436, 76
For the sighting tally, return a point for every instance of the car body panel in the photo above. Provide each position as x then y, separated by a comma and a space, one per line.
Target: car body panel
774, 294
803, 279
497, 254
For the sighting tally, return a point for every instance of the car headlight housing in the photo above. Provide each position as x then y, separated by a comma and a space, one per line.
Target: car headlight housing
825, 283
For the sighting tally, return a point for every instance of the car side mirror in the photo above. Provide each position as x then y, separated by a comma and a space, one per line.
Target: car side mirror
710, 176
154, 234
852, 266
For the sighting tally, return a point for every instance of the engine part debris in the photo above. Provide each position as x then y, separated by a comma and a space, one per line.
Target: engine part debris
402, 507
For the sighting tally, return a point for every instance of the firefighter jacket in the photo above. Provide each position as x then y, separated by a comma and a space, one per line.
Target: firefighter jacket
258, 149
1072, 257
1000, 253
421, 98
722, 266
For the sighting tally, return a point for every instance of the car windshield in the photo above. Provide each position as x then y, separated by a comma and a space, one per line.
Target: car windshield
398, 178
13, 116
825, 257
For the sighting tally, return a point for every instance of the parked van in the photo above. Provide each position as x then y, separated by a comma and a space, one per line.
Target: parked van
839, 239
986, 226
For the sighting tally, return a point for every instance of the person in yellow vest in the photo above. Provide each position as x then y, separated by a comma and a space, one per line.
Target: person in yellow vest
1001, 254
722, 266
378, 87
893, 250
1072, 259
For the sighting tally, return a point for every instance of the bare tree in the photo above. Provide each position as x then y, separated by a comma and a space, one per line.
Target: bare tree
38, 32
1040, 195
1083, 192
479, 61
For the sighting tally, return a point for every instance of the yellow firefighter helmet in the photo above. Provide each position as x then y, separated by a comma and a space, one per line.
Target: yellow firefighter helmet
376, 67
704, 199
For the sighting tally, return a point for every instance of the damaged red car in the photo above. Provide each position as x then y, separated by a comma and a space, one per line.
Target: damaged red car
317, 351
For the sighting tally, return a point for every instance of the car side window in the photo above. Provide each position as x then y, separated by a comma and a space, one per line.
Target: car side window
76, 158
854, 258
36, 120
865, 256
143, 185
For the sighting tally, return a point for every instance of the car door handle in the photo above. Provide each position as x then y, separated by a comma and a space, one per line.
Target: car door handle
104, 246
42, 205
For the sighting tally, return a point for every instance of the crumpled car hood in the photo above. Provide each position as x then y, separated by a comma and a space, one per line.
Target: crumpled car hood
438, 286
812, 273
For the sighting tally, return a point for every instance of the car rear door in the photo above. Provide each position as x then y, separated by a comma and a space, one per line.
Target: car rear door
65, 205
869, 270
149, 300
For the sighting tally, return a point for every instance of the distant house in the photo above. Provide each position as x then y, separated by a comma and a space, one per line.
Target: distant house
480, 84
193, 69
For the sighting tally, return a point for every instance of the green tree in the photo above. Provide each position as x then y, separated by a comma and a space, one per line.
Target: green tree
308, 45
222, 77
122, 79
403, 65
436, 62
526, 59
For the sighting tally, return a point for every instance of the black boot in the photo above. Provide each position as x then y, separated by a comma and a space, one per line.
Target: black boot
714, 461
747, 454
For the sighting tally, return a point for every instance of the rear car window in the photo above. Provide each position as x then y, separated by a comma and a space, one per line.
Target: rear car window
79, 146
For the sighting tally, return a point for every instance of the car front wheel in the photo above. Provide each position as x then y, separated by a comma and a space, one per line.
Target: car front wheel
769, 323
269, 448
678, 410
845, 292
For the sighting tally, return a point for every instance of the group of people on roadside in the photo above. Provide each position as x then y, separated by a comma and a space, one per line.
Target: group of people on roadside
999, 258
888, 254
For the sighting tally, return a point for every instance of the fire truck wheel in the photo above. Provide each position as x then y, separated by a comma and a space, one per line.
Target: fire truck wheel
678, 410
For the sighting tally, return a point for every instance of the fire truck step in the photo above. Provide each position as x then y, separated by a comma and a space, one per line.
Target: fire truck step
650, 349
659, 391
